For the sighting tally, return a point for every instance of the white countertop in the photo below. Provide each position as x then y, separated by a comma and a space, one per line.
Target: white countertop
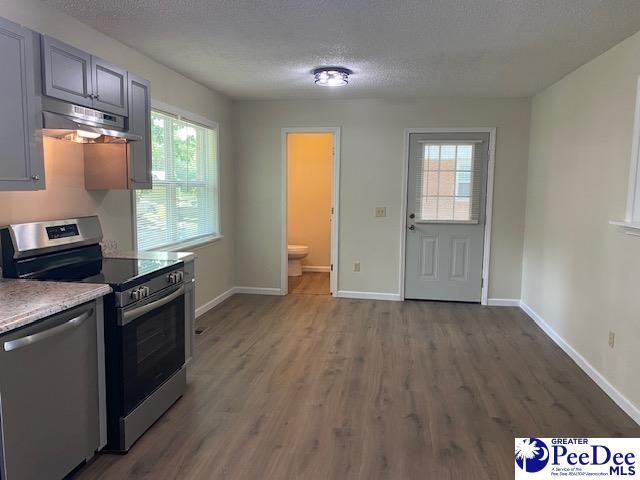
25, 301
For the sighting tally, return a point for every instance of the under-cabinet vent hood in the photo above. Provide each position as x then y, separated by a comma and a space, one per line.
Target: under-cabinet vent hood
79, 124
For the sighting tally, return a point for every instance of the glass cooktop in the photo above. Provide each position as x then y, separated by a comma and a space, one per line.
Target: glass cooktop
120, 273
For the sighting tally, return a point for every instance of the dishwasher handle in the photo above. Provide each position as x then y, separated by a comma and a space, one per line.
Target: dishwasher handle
36, 337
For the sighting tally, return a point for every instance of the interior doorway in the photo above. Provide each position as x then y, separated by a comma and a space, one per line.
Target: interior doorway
310, 173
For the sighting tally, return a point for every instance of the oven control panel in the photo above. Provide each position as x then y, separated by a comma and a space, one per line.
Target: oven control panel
62, 231
149, 288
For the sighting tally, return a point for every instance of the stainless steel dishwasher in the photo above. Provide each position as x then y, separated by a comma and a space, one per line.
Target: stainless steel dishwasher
51, 376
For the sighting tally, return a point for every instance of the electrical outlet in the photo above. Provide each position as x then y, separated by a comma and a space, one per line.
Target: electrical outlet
381, 211
612, 339
356, 266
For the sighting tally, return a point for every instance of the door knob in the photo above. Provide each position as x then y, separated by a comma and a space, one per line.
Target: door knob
412, 227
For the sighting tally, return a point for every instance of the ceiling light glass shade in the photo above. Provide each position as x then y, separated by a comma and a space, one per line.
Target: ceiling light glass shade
331, 76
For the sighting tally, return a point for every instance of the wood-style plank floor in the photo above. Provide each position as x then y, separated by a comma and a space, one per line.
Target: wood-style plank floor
310, 283
313, 387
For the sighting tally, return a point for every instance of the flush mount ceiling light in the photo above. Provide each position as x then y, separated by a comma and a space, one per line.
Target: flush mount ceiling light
331, 76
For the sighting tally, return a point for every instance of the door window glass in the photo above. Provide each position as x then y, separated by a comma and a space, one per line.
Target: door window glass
446, 189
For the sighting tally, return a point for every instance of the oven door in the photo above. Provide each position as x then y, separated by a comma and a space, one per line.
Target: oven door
152, 336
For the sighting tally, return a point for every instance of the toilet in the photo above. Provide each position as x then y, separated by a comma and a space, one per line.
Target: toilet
296, 253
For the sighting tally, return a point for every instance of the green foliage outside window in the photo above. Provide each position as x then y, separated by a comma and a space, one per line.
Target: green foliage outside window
183, 202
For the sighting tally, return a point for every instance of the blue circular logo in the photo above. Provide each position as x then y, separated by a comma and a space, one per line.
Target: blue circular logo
532, 455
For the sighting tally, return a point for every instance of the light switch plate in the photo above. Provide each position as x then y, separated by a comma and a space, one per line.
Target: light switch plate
381, 211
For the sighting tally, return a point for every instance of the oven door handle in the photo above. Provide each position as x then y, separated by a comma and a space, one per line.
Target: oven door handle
130, 315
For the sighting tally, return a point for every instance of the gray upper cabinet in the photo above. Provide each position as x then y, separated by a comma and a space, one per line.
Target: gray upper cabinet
109, 87
80, 78
140, 124
124, 166
33, 67
67, 72
21, 157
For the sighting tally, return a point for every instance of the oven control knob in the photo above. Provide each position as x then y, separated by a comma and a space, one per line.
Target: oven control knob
145, 292
173, 277
135, 294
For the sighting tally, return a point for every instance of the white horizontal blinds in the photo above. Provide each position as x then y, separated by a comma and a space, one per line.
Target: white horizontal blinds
448, 182
182, 205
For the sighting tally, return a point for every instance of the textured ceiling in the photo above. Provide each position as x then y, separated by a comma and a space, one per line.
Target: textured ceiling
266, 49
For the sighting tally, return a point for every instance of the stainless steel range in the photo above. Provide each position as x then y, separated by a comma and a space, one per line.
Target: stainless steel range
144, 316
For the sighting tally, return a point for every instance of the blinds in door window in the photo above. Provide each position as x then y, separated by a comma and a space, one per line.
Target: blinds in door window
182, 205
448, 183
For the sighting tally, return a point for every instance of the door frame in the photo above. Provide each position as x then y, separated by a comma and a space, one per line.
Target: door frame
335, 199
486, 256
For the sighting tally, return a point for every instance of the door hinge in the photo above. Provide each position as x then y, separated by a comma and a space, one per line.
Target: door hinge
332, 267
331, 210
482, 282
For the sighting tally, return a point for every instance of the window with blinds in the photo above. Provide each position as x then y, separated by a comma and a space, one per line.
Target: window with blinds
448, 183
183, 204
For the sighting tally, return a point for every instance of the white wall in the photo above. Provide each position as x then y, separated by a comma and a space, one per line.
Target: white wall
581, 275
214, 266
371, 176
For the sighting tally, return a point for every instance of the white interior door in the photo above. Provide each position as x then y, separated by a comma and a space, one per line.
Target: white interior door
446, 197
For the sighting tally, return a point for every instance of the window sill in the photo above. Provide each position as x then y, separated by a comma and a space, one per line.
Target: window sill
190, 244
630, 228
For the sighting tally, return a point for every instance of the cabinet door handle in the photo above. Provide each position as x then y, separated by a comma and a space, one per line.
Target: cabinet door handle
36, 337
35, 178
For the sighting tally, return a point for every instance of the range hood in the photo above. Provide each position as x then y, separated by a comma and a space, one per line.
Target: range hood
79, 124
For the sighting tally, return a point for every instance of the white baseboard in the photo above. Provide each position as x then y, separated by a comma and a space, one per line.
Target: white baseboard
503, 302
258, 290
629, 407
202, 309
395, 297
311, 268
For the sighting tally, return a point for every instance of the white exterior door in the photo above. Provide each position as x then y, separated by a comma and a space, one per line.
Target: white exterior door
446, 197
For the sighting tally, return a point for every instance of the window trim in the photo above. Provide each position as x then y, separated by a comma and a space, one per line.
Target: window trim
631, 223
193, 244
201, 240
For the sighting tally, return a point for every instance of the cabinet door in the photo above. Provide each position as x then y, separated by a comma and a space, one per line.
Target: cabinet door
189, 320
140, 124
21, 158
66, 72
109, 87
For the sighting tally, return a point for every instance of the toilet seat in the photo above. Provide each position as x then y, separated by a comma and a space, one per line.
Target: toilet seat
297, 249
